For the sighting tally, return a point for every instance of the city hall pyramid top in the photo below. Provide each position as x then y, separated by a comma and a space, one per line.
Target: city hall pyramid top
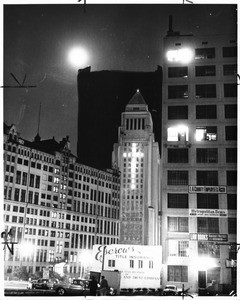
137, 102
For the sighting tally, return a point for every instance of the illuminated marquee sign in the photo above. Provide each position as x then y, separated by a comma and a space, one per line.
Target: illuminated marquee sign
208, 237
207, 189
198, 212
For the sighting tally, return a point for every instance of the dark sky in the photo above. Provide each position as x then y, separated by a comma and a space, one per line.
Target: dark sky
38, 37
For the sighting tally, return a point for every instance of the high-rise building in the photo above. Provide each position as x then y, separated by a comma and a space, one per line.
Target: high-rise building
55, 208
199, 161
103, 96
137, 157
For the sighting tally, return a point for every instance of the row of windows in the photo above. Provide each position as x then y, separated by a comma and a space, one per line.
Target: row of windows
202, 112
135, 123
201, 91
202, 133
203, 155
203, 201
208, 178
207, 70
204, 225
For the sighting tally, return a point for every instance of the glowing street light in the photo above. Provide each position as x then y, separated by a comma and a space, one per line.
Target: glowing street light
78, 57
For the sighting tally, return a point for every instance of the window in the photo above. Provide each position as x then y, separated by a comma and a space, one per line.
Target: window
16, 194
229, 51
18, 177
31, 183
140, 264
231, 133
206, 112
177, 224
177, 200
207, 200
176, 72
178, 273
230, 90
230, 111
229, 70
24, 178
111, 263
178, 248
178, 155
206, 91
177, 112
210, 249
205, 71
207, 155
204, 53
232, 178
131, 263
177, 134
231, 155
177, 91
232, 201
177, 177
206, 133
207, 225
232, 225
207, 178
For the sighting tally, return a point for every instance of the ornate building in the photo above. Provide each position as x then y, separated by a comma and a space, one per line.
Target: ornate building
55, 208
136, 155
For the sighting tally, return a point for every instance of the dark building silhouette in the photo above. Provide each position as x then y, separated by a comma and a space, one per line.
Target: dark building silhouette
103, 96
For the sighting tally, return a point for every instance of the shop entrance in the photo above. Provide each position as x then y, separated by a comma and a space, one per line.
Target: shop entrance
202, 279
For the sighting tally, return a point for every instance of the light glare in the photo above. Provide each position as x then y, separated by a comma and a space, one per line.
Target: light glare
184, 55
78, 57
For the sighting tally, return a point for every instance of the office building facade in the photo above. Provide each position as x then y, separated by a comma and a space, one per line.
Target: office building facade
137, 157
55, 208
199, 160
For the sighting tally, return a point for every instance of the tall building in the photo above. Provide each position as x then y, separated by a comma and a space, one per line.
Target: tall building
199, 160
136, 155
55, 208
103, 96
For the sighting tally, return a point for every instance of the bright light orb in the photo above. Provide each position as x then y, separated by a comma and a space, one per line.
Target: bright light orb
78, 57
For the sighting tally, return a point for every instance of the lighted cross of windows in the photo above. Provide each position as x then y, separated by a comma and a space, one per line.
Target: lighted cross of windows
133, 155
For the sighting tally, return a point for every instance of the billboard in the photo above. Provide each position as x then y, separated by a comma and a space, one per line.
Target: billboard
199, 212
140, 266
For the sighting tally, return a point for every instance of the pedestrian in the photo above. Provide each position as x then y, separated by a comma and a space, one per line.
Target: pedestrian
93, 286
103, 286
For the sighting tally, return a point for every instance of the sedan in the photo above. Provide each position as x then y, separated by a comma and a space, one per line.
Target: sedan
78, 287
170, 290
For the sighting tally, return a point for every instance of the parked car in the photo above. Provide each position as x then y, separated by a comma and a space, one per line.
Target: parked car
170, 290
78, 287
42, 283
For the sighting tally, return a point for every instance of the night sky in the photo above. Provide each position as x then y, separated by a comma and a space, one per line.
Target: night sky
38, 37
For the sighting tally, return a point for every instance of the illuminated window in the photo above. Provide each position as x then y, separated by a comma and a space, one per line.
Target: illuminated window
208, 249
178, 248
208, 133
182, 55
178, 133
